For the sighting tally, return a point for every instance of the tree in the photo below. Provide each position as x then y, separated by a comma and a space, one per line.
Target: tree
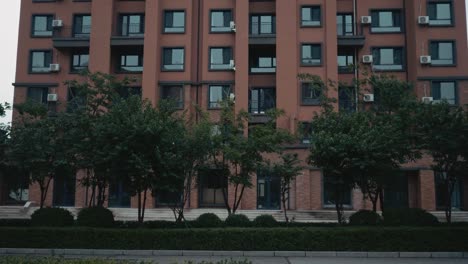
444, 130
237, 156
287, 169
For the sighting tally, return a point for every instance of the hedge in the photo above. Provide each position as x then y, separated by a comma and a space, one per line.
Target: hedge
290, 239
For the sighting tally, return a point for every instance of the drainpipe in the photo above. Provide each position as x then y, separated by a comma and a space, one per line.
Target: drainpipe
406, 39
198, 77
356, 59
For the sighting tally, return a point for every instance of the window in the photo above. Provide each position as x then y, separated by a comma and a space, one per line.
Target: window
174, 21
220, 58
126, 92
440, 13
384, 21
38, 94
175, 94
221, 20
311, 54
132, 25
442, 52
347, 99
264, 65
40, 61
167, 198
441, 192
346, 61
262, 100
218, 93
173, 59
445, 90
82, 26
388, 59
80, 62
311, 16
119, 194
42, 25
64, 191
311, 93
305, 132
329, 193
262, 24
131, 63
345, 25
211, 183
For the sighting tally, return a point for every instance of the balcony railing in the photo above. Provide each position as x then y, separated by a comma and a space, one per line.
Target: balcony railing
132, 30
71, 32
262, 28
346, 29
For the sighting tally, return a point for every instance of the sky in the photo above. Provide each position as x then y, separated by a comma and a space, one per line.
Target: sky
10, 20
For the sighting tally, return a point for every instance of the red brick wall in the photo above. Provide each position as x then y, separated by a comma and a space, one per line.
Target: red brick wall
427, 190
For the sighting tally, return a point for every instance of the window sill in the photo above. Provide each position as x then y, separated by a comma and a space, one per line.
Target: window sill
311, 65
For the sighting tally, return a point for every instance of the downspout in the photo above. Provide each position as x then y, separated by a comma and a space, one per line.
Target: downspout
198, 77
356, 59
406, 39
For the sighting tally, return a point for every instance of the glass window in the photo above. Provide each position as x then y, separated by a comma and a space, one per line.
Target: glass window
131, 63
132, 25
442, 52
221, 20
345, 61
388, 59
262, 100
174, 94
345, 24
82, 26
262, 24
38, 94
80, 62
311, 16
173, 59
311, 93
311, 54
440, 13
42, 25
40, 61
444, 91
347, 99
329, 197
386, 21
218, 93
211, 184
174, 21
220, 58
119, 194
305, 132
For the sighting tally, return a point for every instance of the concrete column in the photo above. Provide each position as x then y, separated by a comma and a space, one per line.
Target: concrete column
242, 54
330, 53
427, 190
102, 14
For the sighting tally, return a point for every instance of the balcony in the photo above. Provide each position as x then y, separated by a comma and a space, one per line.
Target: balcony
262, 59
347, 37
131, 34
261, 100
262, 29
69, 37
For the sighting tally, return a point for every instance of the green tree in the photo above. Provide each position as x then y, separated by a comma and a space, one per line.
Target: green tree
444, 130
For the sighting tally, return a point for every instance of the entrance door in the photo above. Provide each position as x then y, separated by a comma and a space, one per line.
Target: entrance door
268, 191
441, 194
64, 191
396, 191
118, 194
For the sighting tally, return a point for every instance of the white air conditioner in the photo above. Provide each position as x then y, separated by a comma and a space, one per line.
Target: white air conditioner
232, 65
232, 96
368, 98
427, 99
57, 23
232, 25
52, 98
366, 20
425, 59
423, 20
54, 67
367, 59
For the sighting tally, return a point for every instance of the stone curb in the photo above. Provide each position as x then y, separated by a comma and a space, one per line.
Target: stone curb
296, 254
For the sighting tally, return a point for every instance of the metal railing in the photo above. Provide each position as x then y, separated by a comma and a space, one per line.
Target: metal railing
132, 29
72, 32
262, 28
345, 29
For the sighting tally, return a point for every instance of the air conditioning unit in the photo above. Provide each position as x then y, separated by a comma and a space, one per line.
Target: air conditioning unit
232, 65
54, 67
366, 20
423, 20
367, 59
368, 98
52, 98
232, 96
425, 59
232, 25
427, 99
57, 23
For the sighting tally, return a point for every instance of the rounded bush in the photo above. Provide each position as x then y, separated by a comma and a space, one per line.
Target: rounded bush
409, 217
237, 220
208, 220
365, 217
52, 217
95, 217
265, 221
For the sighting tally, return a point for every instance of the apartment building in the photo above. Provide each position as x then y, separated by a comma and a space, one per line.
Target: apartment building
199, 52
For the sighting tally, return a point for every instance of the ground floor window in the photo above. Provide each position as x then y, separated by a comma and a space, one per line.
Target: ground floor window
441, 192
64, 191
268, 191
167, 198
396, 191
211, 183
329, 193
118, 194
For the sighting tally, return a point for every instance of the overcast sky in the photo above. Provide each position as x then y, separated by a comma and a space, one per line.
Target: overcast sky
10, 19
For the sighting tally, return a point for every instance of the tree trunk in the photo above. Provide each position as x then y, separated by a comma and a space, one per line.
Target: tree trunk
139, 206
380, 193
143, 207
448, 203
239, 199
339, 206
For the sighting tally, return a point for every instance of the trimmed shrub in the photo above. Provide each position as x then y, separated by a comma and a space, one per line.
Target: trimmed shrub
265, 221
55, 217
365, 217
237, 220
95, 217
208, 220
409, 217
15, 222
